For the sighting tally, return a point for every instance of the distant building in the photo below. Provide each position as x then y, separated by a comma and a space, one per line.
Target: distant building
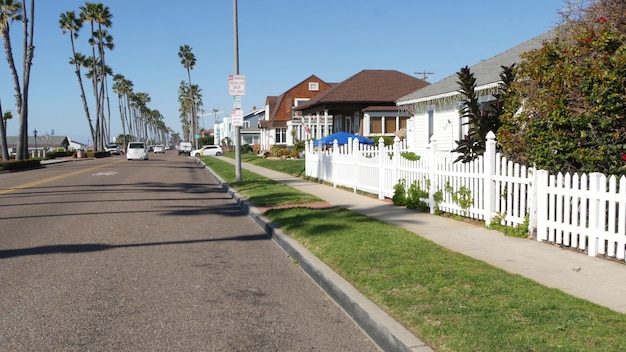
45, 142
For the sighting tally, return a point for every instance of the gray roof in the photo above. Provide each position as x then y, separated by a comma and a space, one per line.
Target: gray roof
486, 72
43, 141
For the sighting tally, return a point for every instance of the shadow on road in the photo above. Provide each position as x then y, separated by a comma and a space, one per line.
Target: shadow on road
96, 247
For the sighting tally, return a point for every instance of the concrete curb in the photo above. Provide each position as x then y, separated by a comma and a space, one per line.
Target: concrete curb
387, 333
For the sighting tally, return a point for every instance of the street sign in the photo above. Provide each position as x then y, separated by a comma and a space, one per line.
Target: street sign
237, 117
236, 85
237, 102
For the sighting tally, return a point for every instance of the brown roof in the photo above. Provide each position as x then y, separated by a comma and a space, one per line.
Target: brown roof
369, 86
272, 123
385, 108
278, 104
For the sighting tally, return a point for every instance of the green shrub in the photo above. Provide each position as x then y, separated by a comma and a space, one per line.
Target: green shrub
19, 164
388, 139
520, 231
399, 193
299, 146
415, 196
410, 156
277, 151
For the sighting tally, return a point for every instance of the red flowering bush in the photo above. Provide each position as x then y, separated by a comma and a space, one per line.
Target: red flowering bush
567, 109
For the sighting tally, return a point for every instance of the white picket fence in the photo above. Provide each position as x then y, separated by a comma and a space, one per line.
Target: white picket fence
587, 212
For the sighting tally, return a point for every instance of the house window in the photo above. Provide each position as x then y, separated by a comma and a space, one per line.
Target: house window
246, 124
376, 125
431, 123
403, 121
314, 86
281, 136
298, 101
390, 124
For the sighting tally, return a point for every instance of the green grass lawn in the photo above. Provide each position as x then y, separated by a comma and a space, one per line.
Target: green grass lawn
293, 167
450, 301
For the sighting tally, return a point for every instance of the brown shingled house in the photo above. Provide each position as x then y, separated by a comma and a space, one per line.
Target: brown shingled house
364, 103
279, 122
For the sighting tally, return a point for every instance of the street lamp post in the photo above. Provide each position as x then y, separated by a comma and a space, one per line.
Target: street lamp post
35, 134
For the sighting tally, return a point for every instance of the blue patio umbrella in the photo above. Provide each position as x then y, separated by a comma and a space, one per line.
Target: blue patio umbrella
342, 138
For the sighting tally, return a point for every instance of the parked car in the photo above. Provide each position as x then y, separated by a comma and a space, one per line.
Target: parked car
214, 150
136, 150
184, 148
150, 148
159, 148
113, 149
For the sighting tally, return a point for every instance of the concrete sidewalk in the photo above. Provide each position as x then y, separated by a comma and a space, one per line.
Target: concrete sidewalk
594, 279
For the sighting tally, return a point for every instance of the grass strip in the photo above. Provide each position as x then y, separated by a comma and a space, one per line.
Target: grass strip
451, 301
293, 167
260, 191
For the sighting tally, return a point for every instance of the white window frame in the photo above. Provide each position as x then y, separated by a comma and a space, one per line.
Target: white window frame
314, 86
280, 135
298, 101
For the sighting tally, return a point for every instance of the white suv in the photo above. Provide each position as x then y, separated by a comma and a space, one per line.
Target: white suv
184, 148
136, 150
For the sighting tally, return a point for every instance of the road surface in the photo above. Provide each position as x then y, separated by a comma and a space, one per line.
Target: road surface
117, 255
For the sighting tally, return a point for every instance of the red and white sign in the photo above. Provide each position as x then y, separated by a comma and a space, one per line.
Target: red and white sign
236, 85
237, 116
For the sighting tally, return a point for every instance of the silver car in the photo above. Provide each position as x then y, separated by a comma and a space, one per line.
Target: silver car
113, 149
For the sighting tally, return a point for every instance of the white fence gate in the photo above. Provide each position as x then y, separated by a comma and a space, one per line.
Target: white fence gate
584, 212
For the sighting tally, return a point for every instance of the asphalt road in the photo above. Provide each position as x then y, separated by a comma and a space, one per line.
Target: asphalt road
117, 255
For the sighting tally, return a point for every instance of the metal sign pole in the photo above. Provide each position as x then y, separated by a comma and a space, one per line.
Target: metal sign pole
237, 128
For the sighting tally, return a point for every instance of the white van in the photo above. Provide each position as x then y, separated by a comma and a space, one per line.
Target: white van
184, 148
136, 150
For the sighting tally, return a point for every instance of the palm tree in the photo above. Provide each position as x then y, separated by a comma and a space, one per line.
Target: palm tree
104, 40
100, 16
4, 117
122, 87
72, 24
10, 11
140, 113
188, 60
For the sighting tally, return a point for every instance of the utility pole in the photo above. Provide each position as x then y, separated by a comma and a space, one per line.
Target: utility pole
236, 102
425, 75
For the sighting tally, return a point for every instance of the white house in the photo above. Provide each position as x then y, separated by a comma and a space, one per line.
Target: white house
224, 130
249, 132
435, 109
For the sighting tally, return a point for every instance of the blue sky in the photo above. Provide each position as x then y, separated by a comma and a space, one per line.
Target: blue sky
281, 42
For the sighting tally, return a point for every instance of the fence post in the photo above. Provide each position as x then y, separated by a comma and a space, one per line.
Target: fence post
355, 158
541, 205
489, 159
533, 191
432, 165
306, 158
595, 187
322, 162
381, 169
396, 160
333, 163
